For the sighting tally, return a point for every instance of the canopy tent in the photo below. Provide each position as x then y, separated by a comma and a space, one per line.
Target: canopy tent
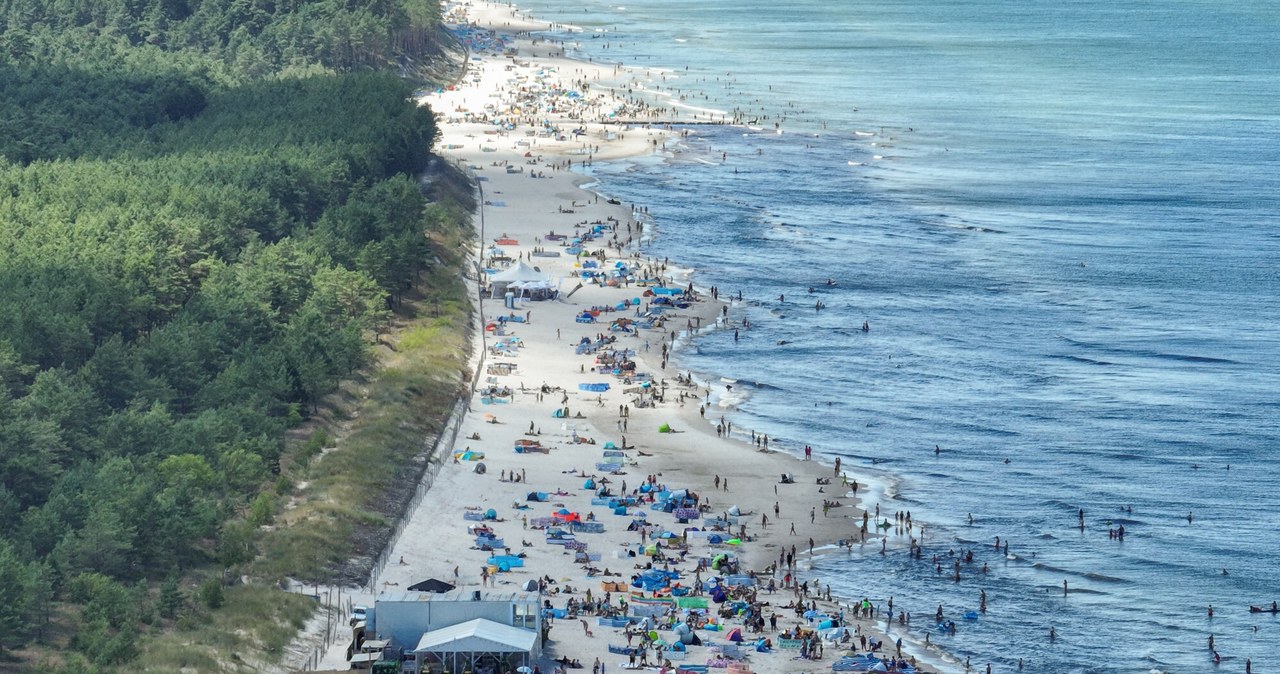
534, 290
516, 273
475, 644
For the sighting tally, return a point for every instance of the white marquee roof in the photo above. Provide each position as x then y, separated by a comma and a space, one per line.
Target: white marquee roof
519, 272
478, 636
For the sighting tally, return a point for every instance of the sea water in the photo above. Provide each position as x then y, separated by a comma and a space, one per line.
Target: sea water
1059, 223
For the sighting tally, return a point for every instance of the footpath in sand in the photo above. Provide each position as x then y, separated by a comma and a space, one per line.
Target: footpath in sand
596, 407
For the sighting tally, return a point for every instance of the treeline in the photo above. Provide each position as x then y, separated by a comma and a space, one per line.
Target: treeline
253, 38
195, 246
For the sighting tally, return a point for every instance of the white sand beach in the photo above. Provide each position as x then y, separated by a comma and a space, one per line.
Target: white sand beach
513, 122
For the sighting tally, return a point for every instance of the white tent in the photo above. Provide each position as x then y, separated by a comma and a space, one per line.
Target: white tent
516, 273
475, 642
535, 290
519, 272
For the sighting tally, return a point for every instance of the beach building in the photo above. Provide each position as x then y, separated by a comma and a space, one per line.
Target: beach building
461, 630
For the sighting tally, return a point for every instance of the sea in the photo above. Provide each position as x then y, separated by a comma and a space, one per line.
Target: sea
1060, 224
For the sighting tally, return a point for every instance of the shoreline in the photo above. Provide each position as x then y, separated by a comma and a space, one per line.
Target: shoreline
437, 520
617, 182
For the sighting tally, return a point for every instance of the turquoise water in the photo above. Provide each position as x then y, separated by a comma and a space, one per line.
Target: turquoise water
1061, 222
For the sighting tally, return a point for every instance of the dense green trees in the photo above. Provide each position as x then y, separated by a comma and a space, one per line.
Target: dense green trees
208, 208
254, 37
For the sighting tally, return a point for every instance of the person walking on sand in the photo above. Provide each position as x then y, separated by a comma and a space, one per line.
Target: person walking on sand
793, 528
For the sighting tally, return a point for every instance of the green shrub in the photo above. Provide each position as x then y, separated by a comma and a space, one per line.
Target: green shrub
211, 595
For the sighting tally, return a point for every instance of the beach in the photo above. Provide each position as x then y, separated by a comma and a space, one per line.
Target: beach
578, 402
1003, 342
1070, 327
